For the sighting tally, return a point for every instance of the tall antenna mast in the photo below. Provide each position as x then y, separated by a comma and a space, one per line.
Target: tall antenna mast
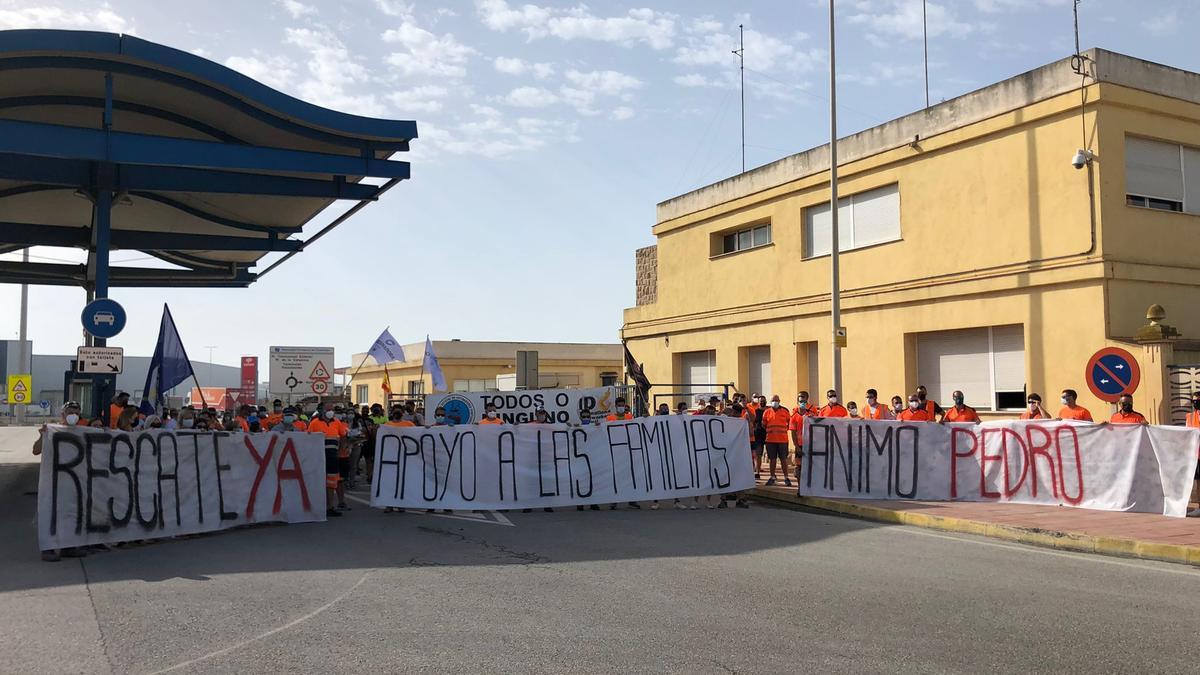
741, 51
925, 39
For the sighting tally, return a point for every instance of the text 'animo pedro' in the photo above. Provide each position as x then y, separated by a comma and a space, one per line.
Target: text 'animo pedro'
1117, 467
483, 467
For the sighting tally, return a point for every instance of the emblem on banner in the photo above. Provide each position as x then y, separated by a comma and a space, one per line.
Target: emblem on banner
459, 409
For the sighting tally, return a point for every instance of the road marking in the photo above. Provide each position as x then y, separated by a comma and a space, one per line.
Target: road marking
273, 631
1090, 557
497, 518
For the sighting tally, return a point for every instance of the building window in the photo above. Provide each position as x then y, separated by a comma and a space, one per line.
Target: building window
608, 379
415, 387
986, 364
864, 219
361, 393
758, 375
698, 372
1162, 176
745, 239
475, 385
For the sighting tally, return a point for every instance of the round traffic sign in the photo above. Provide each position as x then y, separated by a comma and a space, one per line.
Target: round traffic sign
103, 318
320, 387
1111, 373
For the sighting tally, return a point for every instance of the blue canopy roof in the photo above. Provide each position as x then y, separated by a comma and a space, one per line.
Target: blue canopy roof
205, 168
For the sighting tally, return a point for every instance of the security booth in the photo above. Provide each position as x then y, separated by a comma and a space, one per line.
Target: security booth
109, 142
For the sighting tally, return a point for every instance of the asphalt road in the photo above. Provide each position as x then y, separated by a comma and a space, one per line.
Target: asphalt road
759, 590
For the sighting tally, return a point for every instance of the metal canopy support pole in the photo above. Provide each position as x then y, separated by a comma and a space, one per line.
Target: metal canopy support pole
835, 272
26, 365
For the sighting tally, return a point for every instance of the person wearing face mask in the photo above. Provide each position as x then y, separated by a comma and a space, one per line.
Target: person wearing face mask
1193, 421
335, 434
439, 418
276, 416
1033, 409
1126, 414
490, 416
242, 419
897, 406
796, 428
852, 408
916, 412
289, 421
1071, 411
681, 408
832, 408
664, 409
874, 410
621, 413
931, 407
152, 422
776, 420
758, 432
960, 411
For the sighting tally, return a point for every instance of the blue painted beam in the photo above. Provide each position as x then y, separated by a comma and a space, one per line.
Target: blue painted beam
78, 174
66, 142
29, 234
53, 274
126, 106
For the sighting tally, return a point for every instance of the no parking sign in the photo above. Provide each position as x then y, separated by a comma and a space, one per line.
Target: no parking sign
1111, 373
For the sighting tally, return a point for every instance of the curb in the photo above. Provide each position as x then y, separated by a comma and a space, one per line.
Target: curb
1063, 541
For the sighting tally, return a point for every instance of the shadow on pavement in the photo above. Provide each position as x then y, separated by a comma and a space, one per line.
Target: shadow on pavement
370, 538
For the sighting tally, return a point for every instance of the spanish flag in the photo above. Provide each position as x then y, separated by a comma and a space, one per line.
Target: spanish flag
387, 383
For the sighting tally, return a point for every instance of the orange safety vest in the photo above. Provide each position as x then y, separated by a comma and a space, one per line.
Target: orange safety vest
776, 420
491, 421
1076, 413
834, 410
967, 414
400, 423
1128, 418
931, 407
613, 417
1193, 419
876, 411
918, 415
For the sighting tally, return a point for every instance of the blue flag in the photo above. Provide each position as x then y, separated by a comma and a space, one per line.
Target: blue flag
386, 349
433, 367
169, 366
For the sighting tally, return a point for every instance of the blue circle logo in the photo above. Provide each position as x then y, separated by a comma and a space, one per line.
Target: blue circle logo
103, 318
459, 409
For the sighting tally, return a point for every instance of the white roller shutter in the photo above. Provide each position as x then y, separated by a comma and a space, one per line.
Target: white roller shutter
1008, 346
759, 359
955, 359
1191, 174
1153, 169
698, 369
876, 216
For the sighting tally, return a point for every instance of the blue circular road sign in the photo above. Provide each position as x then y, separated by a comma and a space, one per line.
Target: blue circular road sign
1112, 373
103, 318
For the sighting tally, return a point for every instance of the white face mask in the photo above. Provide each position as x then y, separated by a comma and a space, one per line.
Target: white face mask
870, 400
328, 414
853, 410
897, 407
774, 404
72, 419
832, 400
289, 418
621, 409
1064, 401
188, 423
1033, 406
491, 414
915, 405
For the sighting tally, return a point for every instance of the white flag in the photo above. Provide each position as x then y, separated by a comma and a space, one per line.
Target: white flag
433, 367
386, 349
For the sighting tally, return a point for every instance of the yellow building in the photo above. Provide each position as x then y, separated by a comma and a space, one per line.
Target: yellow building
487, 366
975, 253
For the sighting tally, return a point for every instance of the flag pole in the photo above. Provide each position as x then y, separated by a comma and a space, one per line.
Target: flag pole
423, 365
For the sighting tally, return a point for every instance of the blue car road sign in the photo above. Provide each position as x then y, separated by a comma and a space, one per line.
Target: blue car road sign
1111, 373
103, 318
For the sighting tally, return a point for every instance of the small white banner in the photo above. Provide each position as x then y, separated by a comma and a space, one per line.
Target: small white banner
537, 465
100, 486
1108, 467
516, 407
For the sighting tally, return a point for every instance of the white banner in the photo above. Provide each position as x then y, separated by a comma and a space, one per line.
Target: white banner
100, 486
1093, 466
516, 407
537, 465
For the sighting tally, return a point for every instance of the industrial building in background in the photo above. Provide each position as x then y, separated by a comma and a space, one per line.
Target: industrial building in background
469, 366
990, 243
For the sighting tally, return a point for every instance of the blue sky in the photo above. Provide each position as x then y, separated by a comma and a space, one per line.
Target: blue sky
548, 132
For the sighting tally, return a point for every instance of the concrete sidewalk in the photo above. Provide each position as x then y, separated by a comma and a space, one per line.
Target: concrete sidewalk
1135, 535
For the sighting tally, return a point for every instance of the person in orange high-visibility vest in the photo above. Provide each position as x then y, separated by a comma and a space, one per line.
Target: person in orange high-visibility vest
960, 411
1126, 414
776, 420
832, 408
1193, 421
796, 427
1070, 411
621, 412
915, 411
490, 416
875, 410
116, 408
932, 409
335, 434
